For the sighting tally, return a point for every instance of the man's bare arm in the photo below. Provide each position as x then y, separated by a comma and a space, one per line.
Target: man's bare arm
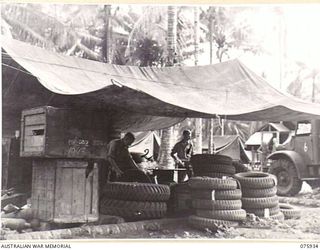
114, 166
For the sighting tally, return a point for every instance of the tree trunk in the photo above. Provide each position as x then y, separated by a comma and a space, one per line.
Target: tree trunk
198, 130
211, 144
196, 35
167, 143
172, 34
198, 135
107, 42
211, 38
167, 138
211, 121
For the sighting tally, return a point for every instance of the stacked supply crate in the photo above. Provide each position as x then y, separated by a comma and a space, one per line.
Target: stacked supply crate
212, 165
216, 202
259, 194
135, 201
63, 145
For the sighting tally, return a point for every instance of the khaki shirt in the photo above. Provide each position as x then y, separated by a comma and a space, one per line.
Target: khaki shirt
184, 150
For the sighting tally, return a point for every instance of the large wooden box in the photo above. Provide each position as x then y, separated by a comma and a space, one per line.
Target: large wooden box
62, 193
63, 133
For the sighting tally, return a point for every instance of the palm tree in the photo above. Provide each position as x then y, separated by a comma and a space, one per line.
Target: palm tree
71, 29
307, 84
227, 31
167, 134
198, 121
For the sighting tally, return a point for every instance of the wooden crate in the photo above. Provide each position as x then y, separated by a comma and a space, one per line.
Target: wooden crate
62, 193
63, 133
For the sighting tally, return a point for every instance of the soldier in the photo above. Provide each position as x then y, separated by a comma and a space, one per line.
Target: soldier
120, 163
182, 152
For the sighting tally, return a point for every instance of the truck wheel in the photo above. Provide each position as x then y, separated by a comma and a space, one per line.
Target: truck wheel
288, 182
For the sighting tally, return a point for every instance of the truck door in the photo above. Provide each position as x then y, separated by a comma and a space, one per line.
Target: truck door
303, 141
315, 135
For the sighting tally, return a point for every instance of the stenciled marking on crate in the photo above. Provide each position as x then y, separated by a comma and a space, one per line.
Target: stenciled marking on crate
78, 147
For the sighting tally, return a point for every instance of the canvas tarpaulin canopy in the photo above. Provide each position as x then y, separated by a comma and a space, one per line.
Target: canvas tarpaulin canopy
227, 89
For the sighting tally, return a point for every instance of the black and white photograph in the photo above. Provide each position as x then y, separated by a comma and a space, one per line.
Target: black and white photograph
160, 122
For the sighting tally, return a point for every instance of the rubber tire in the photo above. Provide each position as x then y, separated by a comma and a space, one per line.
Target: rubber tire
218, 194
212, 183
205, 223
200, 159
255, 180
239, 167
133, 210
231, 215
215, 168
278, 216
289, 211
295, 183
214, 175
259, 193
260, 212
136, 191
216, 204
266, 202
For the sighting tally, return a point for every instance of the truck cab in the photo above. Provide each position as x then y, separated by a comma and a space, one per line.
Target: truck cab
300, 161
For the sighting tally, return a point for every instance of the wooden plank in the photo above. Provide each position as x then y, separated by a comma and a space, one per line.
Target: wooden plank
72, 163
95, 195
5, 162
38, 150
32, 154
43, 188
34, 111
35, 119
64, 192
78, 192
91, 201
88, 195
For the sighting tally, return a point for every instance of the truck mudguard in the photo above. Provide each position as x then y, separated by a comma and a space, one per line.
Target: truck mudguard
293, 156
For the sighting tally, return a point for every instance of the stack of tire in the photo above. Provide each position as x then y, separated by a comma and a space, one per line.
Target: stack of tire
215, 166
259, 194
215, 202
135, 201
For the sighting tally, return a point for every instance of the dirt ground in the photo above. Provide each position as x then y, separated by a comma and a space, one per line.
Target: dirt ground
305, 228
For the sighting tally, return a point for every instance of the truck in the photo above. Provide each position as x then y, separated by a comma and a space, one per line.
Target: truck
298, 162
